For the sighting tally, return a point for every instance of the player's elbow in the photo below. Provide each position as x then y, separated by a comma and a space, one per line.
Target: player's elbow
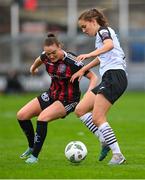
111, 46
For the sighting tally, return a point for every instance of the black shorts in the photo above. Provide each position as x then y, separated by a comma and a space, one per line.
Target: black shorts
113, 84
46, 101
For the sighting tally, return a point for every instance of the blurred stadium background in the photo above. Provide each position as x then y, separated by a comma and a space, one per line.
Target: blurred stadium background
24, 24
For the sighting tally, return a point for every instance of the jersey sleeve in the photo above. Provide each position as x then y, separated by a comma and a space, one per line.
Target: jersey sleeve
75, 65
43, 56
104, 33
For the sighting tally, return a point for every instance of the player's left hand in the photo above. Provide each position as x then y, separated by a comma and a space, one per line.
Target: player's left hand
82, 57
78, 75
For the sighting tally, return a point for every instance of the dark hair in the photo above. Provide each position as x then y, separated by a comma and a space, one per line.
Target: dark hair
51, 39
94, 14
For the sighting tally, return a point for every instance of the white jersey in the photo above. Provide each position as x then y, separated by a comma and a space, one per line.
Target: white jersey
113, 59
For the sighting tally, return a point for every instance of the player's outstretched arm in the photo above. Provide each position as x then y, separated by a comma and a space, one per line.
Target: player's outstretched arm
82, 71
93, 80
107, 46
35, 65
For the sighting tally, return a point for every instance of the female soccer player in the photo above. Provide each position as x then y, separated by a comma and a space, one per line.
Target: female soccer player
110, 56
60, 99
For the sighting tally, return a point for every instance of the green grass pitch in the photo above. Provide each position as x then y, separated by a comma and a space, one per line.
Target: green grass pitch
127, 118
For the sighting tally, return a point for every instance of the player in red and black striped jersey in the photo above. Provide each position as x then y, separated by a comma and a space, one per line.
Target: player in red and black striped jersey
60, 72
60, 99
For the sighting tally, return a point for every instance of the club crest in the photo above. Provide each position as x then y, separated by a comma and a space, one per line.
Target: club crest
62, 68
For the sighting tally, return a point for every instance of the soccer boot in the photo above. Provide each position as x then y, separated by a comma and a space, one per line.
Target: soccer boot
31, 160
104, 151
27, 153
117, 159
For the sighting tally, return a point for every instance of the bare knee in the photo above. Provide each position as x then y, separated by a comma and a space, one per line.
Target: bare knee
50, 115
21, 115
45, 117
42, 117
79, 112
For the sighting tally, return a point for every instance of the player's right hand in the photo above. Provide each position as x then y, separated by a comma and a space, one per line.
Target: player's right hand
33, 70
82, 57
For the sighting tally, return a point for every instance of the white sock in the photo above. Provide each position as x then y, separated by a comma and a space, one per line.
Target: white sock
87, 120
107, 133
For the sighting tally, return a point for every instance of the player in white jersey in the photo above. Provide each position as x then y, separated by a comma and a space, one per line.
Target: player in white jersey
114, 58
110, 56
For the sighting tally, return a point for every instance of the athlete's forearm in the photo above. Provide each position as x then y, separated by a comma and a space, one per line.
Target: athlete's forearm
107, 46
35, 65
93, 80
82, 71
93, 63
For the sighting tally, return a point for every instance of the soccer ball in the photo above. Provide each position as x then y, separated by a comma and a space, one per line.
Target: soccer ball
75, 151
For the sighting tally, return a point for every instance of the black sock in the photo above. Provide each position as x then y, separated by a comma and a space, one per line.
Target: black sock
41, 132
27, 128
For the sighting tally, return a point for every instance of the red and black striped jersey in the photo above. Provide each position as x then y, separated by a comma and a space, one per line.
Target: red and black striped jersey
60, 72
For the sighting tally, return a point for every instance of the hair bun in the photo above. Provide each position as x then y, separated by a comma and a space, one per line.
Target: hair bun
50, 35
94, 9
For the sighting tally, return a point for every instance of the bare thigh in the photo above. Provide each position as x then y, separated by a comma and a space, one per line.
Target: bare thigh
31, 109
86, 104
53, 112
100, 110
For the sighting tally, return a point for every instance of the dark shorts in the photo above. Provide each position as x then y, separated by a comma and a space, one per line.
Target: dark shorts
46, 101
113, 84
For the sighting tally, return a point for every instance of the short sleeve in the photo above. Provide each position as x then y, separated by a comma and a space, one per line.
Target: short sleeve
104, 33
43, 56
